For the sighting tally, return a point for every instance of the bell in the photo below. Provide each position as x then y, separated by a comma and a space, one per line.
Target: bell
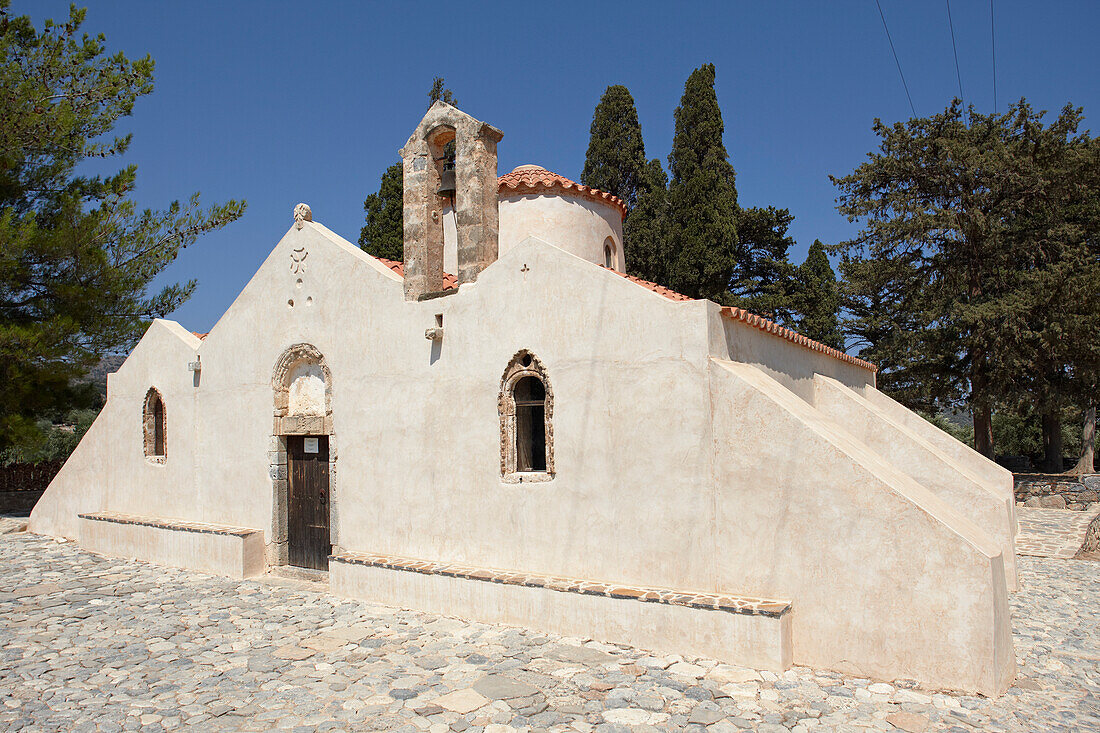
447, 181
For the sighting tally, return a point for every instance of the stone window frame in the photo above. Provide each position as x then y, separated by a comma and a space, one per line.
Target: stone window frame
284, 425
506, 407
149, 427
610, 253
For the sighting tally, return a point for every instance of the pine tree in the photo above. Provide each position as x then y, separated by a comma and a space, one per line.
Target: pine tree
77, 258
616, 153
981, 231
818, 299
702, 197
764, 279
646, 229
383, 235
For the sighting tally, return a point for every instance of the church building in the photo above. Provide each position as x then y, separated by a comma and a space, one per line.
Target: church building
505, 427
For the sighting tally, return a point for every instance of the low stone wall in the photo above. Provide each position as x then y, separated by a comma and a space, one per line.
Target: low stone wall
22, 484
751, 632
1057, 491
237, 552
18, 502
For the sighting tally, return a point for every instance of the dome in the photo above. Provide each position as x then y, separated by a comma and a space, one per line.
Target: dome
531, 179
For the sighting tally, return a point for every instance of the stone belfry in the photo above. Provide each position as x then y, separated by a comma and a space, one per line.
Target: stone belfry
474, 201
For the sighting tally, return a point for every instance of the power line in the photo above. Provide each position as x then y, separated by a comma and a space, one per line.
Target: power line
900, 72
993, 43
958, 74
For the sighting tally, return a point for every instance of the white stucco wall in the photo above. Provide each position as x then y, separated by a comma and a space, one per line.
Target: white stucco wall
572, 223
885, 579
670, 472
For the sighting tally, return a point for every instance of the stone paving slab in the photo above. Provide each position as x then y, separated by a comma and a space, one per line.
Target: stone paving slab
1052, 532
8, 524
89, 643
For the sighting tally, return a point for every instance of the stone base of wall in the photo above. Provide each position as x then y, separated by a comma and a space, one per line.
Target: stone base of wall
19, 502
1057, 491
749, 632
233, 551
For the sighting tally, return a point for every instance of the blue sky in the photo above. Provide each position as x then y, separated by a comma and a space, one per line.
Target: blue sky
281, 102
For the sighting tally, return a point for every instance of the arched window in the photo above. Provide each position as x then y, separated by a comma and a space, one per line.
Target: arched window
526, 405
530, 399
153, 427
609, 253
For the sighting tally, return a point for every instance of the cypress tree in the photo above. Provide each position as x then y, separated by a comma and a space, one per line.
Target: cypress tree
646, 229
383, 234
616, 161
439, 92
702, 197
818, 299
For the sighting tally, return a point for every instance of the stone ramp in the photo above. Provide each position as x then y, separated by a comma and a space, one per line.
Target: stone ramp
1057, 533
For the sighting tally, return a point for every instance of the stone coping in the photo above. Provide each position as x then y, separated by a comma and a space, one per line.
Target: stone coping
709, 601
177, 525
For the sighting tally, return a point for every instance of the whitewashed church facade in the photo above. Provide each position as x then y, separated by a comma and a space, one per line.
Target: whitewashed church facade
541, 440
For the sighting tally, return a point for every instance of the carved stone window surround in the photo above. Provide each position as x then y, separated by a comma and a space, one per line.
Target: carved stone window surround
149, 428
523, 364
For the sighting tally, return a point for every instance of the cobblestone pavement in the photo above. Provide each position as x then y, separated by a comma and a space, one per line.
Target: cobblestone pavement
90, 643
9, 524
1052, 532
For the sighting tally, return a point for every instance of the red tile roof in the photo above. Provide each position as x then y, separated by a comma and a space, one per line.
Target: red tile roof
659, 289
534, 178
751, 319
200, 335
450, 282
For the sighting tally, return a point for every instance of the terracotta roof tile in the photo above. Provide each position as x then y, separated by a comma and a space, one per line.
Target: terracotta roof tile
534, 178
659, 289
200, 335
751, 319
450, 282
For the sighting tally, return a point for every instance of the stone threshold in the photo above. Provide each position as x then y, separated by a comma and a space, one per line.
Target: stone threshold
744, 605
179, 526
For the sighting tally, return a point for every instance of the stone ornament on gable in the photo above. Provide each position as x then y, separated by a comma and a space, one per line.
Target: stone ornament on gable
302, 213
298, 260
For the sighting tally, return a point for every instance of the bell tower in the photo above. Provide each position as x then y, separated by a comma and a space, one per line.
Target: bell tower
429, 188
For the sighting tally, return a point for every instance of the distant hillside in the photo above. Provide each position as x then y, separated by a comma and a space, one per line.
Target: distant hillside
98, 374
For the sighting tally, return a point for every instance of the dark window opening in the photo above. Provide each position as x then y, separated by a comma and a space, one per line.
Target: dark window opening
530, 398
608, 257
158, 427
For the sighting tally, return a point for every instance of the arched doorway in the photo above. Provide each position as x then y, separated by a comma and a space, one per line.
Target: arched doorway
303, 460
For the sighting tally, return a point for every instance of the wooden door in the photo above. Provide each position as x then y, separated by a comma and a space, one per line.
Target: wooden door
307, 501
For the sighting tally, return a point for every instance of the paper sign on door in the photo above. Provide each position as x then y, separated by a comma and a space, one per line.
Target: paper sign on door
311, 445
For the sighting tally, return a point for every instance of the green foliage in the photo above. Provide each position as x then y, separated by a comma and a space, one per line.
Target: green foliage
972, 277
382, 235
960, 431
764, 280
702, 197
438, 92
646, 229
53, 441
616, 161
817, 299
76, 256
